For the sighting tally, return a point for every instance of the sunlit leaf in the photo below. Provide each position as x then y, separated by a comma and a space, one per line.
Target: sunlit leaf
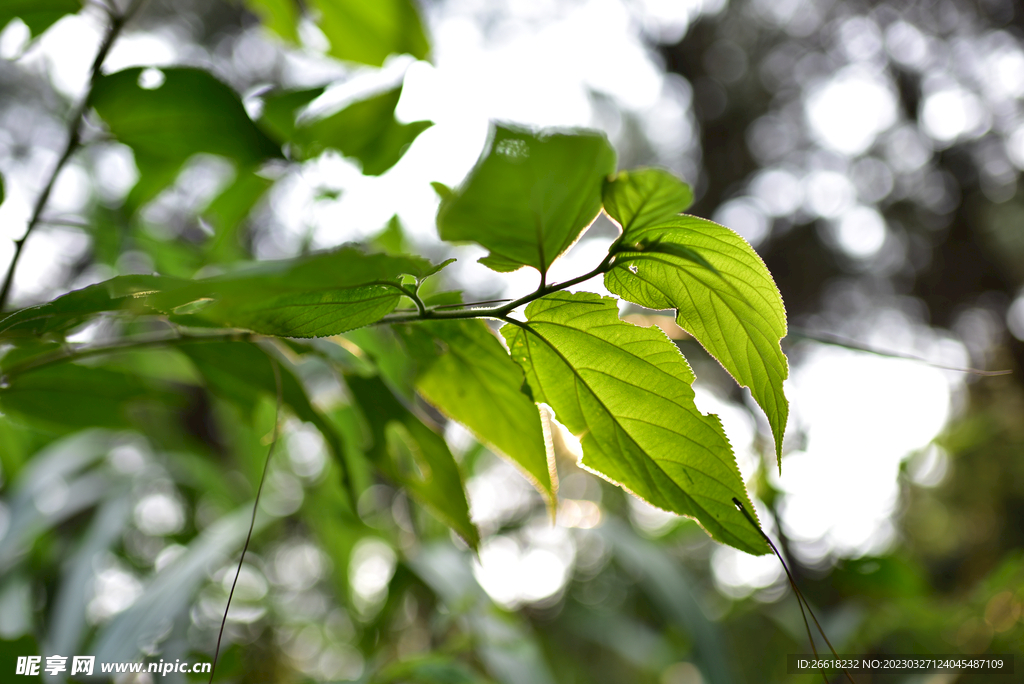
640, 198
529, 197
730, 305
38, 15
433, 477
625, 392
188, 113
472, 379
367, 32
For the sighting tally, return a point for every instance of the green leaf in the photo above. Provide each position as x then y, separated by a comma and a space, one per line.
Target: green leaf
75, 396
475, 382
3, 193
625, 392
367, 32
730, 305
529, 197
365, 130
280, 16
324, 294
438, 482
189, 113
240, 372
38, 15
643, 197
76, 307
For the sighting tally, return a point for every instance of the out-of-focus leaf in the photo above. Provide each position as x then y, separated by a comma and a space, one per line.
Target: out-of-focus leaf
3, 191
438, 482
365, 130
71, 601
315, 296
665, 581
74, 308
227, 212
241, 373
38, 15
71, 396
640, 198
280, 108
529, 197
367, 32
625, 392
173, 588
189, 113
733, 308
57, 466
430, 669
472, 379
280, 16
506, 646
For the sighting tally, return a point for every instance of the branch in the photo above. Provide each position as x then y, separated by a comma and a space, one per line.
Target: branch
117, 23
498, 312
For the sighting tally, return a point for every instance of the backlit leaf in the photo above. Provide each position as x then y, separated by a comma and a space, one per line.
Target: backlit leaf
640, 198
474, 381
625, 392
733, 308
529, 197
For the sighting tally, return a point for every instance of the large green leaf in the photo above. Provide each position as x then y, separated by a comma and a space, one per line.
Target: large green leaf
643, 197
433, 477
367, 32
38, 15
241, 373
529, 197
189, 113
324, 294
729, 302
365, 130
473, 380
74, 308
625, 392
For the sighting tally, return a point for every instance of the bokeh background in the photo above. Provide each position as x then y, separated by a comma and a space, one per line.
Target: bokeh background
870, 151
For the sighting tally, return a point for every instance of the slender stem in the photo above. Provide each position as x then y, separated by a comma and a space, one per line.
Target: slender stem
117, 22
255, 507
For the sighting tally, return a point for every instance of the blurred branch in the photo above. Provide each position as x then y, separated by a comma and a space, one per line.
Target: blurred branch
117, 23
846, 343
79, 353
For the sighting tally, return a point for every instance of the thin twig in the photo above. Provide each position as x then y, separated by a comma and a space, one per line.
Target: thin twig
255, 507
117, 22
800, 599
